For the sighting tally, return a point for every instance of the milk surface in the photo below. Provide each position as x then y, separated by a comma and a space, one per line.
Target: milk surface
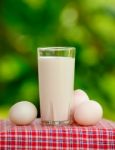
56, 79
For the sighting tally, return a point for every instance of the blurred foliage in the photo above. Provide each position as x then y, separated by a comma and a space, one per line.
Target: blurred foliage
86, 24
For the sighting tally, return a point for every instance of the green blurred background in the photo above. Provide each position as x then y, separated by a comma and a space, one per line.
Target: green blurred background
86, 24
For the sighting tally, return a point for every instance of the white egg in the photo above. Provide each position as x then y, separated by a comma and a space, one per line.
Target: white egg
22, 113
88, 113
80, 96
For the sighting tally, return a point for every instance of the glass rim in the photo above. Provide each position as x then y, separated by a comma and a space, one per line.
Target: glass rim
65, 48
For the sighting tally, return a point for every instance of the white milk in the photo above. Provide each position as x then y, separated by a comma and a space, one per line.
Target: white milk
56, 79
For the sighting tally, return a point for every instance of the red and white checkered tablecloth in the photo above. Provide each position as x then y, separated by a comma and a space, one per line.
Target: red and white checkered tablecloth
73, 137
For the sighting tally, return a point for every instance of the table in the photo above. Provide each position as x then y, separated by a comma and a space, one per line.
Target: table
72, 137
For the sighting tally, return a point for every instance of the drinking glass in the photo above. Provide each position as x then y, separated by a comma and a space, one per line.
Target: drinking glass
56, 82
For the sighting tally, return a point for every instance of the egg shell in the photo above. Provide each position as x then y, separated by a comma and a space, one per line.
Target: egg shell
22, 113
80, 96
88, 113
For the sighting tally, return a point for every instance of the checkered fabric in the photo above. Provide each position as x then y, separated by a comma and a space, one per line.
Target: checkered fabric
72, 137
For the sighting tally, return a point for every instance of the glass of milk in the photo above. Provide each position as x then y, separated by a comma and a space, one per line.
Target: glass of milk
56, 82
